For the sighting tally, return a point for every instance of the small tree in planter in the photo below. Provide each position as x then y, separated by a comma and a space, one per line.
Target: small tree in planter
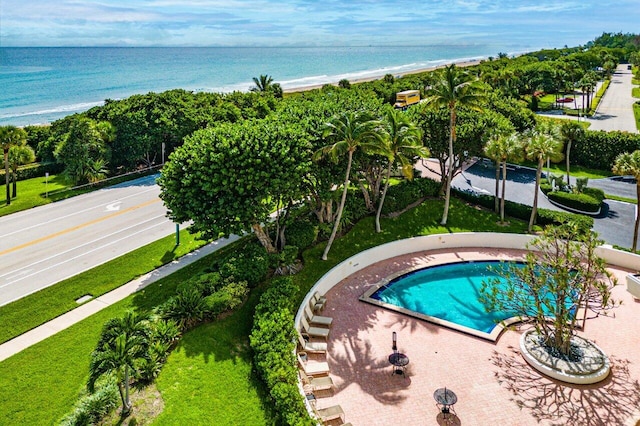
561, 276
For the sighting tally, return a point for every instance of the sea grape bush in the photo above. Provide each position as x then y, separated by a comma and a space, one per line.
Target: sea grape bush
273, 342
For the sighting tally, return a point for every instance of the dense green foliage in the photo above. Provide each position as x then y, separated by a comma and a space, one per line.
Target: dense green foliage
582, 202
599, 149
273, 342
92, 407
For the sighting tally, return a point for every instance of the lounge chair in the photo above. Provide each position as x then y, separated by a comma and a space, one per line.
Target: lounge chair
311, 347
313, 331
316, 383
317, 302
317, 319
329, 413
312, 368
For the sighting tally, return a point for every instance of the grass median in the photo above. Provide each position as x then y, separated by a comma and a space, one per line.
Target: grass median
208, 378
36, 309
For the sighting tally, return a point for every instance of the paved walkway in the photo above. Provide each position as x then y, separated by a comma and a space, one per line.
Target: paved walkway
494, 385
64, 321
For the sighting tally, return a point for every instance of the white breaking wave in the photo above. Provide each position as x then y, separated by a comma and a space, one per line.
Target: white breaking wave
63, 108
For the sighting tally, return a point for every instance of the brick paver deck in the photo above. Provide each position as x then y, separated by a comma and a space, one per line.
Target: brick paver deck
493, 383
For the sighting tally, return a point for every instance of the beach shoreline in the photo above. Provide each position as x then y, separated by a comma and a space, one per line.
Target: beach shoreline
461, 63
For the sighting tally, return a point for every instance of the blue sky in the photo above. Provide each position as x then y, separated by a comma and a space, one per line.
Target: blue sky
539, 23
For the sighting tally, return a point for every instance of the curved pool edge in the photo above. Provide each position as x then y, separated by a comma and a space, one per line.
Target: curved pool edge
494, 240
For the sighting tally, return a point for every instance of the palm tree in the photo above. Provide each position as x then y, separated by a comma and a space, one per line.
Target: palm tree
629, 164
454, 88
350, 131
402, 142
262, 83
571, 133
10, 136
502, 149
19, 155
123, 344
543, 144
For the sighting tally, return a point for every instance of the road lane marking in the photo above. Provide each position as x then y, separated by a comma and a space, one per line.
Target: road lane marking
8, 218
75, 228
88, 243
72, 259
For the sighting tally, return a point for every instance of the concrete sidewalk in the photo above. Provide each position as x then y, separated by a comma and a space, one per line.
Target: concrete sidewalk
70, 318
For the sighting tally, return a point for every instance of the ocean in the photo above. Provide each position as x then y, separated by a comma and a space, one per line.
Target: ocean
41, 85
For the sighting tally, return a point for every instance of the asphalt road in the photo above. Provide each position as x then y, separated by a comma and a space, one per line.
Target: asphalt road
614, 224
42, 246
615, 111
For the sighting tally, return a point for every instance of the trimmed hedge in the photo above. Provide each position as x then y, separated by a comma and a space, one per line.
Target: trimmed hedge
523, 212
599, 149
273, 342
582, 202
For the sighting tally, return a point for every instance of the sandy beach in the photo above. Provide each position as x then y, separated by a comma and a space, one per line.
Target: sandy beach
467, 63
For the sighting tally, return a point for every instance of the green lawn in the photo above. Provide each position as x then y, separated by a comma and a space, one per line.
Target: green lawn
636, 112
31, 193
208, 379
635, 92
38, 308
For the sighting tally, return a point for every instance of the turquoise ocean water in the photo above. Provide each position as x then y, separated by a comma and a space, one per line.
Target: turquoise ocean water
40, 85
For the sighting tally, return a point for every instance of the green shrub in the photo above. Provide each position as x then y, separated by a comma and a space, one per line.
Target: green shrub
92, 408
205, 284
187, 308
599, 149
301, 233
596, 193
581, 202
273, 342
226, 298
251, 265
400, 196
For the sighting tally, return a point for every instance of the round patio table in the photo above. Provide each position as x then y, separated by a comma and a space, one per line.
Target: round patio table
446, 398
399, 362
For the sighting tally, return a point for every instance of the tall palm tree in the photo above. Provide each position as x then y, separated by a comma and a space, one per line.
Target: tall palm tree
19, 155
571, 133
543, 144
502, 149
10, 136
454, 89
123, 344
401, 143
629, 164
349, 131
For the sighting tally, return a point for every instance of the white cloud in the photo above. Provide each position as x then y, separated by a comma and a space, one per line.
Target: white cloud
265, 22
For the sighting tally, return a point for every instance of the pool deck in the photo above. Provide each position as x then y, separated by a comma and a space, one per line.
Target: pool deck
493, 383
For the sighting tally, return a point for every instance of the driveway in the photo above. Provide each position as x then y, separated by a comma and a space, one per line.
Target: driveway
615, 111
614, 224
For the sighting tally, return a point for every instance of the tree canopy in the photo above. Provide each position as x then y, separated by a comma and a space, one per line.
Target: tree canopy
229, 178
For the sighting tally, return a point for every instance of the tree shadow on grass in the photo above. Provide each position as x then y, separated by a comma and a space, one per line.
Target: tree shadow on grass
610, 402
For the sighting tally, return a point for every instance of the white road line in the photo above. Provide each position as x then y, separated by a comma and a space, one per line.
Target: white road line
75, 213
68, 276
102, 237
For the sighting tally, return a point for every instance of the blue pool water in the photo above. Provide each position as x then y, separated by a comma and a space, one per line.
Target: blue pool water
449, 292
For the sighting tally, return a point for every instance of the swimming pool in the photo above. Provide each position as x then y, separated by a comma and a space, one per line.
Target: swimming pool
445, 294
